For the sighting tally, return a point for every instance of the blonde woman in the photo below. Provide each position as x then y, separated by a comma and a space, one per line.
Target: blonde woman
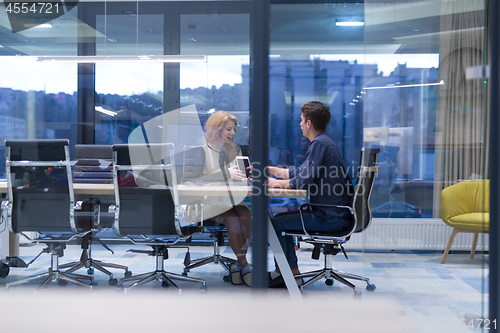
219, 165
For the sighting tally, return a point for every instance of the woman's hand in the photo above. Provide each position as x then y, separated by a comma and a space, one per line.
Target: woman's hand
236, 173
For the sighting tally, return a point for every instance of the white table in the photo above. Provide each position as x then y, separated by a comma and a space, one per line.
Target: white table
215, 194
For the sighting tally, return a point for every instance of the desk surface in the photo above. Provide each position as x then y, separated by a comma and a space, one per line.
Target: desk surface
184, 190
213, 191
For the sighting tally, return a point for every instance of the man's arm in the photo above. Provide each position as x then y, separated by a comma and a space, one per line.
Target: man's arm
278, 172
278, 183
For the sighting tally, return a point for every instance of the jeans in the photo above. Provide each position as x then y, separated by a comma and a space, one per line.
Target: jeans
291, 221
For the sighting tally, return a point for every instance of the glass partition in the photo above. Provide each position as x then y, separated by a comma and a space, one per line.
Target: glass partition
401, 76
397, 75
37, 101
222, 82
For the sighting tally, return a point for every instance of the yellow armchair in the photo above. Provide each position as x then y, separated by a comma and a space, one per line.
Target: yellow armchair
465, 207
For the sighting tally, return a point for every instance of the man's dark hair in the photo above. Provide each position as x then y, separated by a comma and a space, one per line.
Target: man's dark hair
318, 113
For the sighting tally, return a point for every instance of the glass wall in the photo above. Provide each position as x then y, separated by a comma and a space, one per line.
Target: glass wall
38, 100
397, 75
220, 83
394, 75
127, 94
380, 94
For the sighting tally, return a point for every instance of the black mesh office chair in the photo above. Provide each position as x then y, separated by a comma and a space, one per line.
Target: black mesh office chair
147, 207
93, 165
193, 164
41, 199
333, 243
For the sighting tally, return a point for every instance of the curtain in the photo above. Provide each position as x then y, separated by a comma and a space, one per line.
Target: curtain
461, 134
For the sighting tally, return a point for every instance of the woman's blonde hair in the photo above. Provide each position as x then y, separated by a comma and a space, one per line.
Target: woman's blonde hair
214, 126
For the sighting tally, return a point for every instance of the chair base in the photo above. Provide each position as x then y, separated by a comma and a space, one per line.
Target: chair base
54, 274
216, 259
92, 264
329, 274
160, 275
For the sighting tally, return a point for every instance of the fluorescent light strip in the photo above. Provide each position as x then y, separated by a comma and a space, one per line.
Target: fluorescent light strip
439, 33
143, 58
43, 26
407, 85
350, 24
107, 112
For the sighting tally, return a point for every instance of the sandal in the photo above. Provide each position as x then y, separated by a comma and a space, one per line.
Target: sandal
277, 282
247, 278
235, 275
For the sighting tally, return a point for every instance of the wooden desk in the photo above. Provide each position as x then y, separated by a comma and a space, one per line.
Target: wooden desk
190, 191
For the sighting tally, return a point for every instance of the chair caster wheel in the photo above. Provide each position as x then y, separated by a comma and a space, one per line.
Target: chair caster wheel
4, 270
371, 287
203, 289
226, 278
329, 282
94, 285
62, 283
165, 284
113, 282
128, 274
184, 273
357, 295
90, 271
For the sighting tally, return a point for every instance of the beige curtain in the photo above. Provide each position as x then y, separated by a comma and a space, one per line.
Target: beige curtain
461, 145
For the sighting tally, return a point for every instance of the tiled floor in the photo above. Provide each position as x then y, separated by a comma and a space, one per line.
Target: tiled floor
430, 297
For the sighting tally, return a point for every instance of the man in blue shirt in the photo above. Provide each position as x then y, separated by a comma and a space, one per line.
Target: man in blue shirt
324, 175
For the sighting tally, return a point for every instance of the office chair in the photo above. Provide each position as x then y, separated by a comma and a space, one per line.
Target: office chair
465, 207
332, 243
93, 165
147, 205
41, 199
192, 169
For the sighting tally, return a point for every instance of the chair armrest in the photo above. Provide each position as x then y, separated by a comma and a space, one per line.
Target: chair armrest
326, 205
318, 205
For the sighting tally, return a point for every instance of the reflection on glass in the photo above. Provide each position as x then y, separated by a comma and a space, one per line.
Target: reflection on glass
336, 65
127, 95
397, 83
129, 34
37, 101
222, 82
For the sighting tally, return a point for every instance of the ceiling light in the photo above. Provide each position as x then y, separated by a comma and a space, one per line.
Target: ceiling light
34, 25
129, 12
439, 33
145, 58
105, 111
213, 13
407, 85
349, 23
